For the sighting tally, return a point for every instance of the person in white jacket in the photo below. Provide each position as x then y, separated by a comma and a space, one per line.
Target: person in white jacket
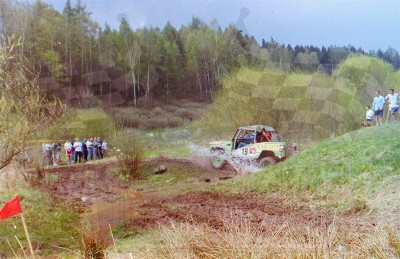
78, 150
369, 115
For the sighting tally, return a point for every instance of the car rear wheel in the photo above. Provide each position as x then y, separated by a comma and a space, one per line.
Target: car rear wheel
266, 161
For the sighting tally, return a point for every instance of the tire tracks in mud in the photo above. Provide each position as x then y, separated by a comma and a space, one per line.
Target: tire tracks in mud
114, 201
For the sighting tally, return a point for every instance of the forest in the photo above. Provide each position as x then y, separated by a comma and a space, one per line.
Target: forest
87, 65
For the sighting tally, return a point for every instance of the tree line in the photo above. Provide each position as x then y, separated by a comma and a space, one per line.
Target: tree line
70, 48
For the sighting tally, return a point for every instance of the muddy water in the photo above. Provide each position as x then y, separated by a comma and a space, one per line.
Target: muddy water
104, 214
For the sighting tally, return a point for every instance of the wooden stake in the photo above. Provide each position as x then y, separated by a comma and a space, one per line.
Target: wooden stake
27, 234
8, 242
112, 236
387, 116
20, 245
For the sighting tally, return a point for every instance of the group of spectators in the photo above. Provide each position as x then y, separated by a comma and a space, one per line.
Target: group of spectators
51, 153
77, 151
378, 106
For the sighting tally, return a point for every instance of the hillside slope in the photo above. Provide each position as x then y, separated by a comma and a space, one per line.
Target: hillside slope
299, 106
356, 171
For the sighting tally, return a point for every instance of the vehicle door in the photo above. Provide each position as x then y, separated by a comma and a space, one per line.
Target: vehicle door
246, 151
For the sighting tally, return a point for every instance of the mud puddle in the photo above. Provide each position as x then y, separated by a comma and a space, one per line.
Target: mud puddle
105, 214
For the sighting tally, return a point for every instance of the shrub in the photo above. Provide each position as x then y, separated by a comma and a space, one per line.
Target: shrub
93, 241
158, 111
129, 153
174, 121
186, 113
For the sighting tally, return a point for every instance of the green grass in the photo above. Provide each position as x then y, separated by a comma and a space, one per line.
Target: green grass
166, 142
52, 226
347, 169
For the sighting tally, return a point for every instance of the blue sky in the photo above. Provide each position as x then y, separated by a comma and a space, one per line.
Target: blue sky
370, 24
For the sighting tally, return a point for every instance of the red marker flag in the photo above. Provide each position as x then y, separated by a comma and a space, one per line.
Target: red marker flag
11, 208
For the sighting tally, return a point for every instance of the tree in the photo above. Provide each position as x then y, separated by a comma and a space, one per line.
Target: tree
150, 43
24, 112
172, 62
307, 61
131, 53
392, 56
359, 69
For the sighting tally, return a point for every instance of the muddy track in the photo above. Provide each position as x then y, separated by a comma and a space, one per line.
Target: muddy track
215, 209
111, 201
95, 180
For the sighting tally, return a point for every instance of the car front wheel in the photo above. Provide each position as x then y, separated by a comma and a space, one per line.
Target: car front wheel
216, 160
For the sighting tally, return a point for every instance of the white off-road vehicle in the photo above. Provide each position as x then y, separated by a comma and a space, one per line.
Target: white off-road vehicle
258, 145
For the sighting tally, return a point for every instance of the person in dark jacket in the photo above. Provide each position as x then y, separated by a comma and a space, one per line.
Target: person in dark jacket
84, 149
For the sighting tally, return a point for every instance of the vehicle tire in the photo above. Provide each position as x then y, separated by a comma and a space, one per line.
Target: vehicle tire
266, 161
216, 160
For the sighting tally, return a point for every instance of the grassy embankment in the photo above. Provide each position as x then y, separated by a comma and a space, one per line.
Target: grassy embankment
359, 170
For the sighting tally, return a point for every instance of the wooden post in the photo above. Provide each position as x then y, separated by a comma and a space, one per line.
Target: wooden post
27, 234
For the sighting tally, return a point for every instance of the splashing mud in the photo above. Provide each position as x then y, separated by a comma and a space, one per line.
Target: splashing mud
240, 165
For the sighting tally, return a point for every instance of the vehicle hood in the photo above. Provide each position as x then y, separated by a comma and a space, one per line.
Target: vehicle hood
220, 143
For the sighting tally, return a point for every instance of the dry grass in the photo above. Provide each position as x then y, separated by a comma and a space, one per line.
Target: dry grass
93, 241
243, 240
163, 116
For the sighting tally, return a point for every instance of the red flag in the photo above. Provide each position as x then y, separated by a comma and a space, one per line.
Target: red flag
11, 208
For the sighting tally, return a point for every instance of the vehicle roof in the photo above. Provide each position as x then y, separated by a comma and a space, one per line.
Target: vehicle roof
257, 127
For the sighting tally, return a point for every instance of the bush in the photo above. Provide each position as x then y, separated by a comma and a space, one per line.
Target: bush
93, 241
129, 153
162, 116
186, 113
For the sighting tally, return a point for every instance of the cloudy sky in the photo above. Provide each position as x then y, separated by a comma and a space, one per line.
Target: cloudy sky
370, 24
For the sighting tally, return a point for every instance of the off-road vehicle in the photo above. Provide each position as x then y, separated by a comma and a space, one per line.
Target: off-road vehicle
257, 144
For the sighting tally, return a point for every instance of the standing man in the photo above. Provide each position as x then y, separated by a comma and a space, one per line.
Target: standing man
68, 151
99, 148
393, 99
47, 148
89, 144
78, 150
377, 106
104, 148
56, 152
95, 148
84, 149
